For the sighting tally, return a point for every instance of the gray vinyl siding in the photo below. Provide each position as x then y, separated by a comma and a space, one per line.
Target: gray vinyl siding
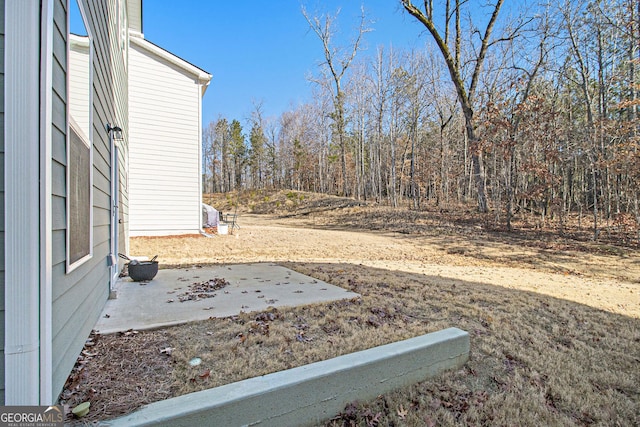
2, 202
79, 296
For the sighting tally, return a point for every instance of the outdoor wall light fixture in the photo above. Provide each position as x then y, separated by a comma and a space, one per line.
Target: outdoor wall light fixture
114, 131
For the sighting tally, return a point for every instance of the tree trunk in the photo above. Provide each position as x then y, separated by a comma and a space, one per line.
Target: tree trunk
412, 168
511, 184
476, 164
341, 141
465, 96
594, 181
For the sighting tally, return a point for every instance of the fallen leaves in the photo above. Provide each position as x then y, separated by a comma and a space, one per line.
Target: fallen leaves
380, 316
302, 327
353, 413
374, 322
331, 327
300, 337
260, 324
268, 316
259, 327
201, 290
202, 376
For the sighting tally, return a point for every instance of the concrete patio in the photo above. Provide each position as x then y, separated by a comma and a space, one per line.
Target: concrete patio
252, 287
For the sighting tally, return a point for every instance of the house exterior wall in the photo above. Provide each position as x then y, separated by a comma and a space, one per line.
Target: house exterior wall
164, 160
79, 295
2, 249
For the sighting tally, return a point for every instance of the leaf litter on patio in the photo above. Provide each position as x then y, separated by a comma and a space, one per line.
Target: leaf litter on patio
202, 290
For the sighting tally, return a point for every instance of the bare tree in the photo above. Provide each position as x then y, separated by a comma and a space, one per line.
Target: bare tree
528, 73
380, 101
444, 105
208, 159
360, 90
257, 141
465, 93
337, 62
570, 12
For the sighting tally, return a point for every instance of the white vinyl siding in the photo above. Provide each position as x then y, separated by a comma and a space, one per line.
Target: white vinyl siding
134, 10
79, 83
164, 159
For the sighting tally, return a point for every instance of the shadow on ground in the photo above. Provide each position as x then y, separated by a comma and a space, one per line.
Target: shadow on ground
535, 360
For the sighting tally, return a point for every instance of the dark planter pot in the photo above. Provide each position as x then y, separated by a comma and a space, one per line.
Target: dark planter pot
143, 271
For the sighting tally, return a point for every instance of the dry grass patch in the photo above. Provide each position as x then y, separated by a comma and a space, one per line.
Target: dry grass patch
535, 360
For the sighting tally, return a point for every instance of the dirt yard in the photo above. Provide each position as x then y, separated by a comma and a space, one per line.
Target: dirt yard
554, 322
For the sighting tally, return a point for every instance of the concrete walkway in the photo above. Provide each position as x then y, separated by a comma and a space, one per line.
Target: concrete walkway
252, 287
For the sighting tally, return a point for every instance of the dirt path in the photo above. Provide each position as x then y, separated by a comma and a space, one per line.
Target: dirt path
607, 282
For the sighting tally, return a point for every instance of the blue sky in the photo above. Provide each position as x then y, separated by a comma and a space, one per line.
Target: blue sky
264, 51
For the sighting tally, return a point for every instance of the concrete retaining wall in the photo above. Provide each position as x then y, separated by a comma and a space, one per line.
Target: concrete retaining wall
312, 393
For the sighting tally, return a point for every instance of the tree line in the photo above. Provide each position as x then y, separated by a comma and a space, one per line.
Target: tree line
531, 111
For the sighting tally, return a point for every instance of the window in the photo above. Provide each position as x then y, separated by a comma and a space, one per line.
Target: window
79, 141
79, 196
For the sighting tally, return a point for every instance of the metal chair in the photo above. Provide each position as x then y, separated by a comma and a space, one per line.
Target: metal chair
232, 220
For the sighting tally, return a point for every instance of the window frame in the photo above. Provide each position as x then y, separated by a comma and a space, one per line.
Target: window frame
86, 139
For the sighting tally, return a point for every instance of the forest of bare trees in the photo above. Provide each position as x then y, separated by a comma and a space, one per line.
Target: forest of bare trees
531, 111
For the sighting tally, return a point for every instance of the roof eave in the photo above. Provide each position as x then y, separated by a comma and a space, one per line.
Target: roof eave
200, 75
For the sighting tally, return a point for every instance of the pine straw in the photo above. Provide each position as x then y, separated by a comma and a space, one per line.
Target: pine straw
119, 373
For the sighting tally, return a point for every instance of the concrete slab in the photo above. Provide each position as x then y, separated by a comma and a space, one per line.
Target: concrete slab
253, 287
310, 394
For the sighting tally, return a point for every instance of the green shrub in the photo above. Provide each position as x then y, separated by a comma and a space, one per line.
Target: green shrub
291, 195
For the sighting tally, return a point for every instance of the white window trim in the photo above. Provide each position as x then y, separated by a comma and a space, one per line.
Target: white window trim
87, 139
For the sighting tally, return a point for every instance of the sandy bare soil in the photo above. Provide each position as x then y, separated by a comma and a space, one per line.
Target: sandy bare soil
608, 282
